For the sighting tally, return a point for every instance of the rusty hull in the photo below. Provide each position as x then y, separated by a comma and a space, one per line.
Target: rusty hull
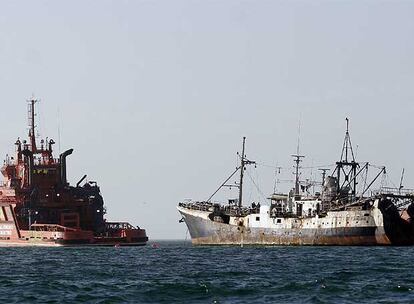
203, 231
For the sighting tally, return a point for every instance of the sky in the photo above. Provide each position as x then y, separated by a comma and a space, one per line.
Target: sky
155, 96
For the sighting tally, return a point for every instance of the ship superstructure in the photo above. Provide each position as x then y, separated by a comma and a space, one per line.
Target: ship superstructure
337, 215
38, 206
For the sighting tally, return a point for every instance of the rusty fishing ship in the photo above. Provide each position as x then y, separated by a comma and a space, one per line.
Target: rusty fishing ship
337, 215
38, 206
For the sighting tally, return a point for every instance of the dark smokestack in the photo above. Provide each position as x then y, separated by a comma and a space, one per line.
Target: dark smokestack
62, 157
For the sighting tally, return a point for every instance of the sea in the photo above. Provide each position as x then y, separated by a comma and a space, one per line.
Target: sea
177, 272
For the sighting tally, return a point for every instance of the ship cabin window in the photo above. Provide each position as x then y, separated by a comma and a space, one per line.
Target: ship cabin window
278, 221
257, 218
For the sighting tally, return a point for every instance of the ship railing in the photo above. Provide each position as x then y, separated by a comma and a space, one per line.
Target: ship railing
45, 162
201, 206
241, 212
394, 191
226, 209
118, 225
51, 227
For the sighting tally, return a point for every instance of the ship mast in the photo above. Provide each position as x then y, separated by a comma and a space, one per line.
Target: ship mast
31, 119
297, 159
243, 162
347, 166
323, 175
241, 174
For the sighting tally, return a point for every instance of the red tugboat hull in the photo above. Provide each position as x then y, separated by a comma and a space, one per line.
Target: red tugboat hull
52, 235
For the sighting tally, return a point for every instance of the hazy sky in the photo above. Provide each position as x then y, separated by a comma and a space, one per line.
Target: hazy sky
155, 96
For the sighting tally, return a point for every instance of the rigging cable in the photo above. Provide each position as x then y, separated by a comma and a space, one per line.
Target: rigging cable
254, 183
285, 168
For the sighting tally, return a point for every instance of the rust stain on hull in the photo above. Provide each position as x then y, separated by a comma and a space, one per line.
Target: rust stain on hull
264, 239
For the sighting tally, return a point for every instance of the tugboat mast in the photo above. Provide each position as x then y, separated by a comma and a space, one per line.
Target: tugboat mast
31, 118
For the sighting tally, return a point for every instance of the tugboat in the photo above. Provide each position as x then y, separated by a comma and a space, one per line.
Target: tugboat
338, 215
38, 206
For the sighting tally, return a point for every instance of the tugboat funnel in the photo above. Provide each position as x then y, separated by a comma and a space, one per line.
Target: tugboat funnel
63, 156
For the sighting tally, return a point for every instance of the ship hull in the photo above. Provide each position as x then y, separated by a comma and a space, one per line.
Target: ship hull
54, 244
203, 231
46, 235
105, 242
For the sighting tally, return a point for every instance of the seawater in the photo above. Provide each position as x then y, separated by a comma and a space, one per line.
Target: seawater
176, 272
